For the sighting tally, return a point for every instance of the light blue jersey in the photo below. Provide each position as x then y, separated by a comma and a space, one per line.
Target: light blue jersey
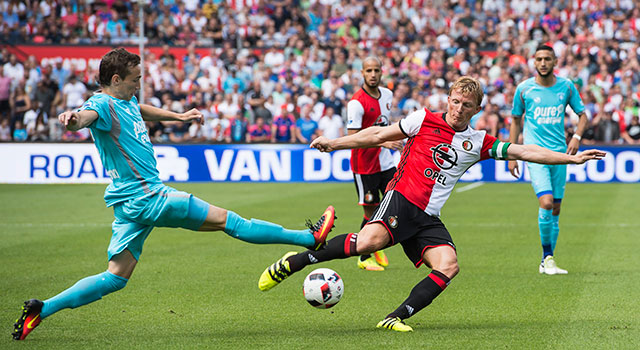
126, 152
544, 111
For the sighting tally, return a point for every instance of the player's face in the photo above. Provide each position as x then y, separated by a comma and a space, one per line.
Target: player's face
371, 73
128, 86
544, 61
460, 109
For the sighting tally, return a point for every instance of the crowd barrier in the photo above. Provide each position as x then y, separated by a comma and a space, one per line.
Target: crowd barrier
80, 163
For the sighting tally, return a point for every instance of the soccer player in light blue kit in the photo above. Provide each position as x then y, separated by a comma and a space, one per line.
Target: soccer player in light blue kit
139, 199
542, 102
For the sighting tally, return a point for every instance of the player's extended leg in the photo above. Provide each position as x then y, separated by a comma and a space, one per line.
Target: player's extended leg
85, 291
371, 238
264, 232
366, 261
444, 262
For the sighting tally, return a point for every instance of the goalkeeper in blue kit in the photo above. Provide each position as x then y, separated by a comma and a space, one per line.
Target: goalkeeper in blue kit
539, 103
139, 199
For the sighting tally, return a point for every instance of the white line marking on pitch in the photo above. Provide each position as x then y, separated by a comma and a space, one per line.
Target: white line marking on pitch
469, 187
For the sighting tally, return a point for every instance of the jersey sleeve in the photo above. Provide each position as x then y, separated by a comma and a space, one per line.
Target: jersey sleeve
411, 124
494, 148
575, 101
518, 103
99, 104
355, 112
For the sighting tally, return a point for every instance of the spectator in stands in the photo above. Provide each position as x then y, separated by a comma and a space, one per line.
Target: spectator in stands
607, 129
306, 128
19, 133
5, 94
237, 130
259, 132
60, 74
331, 124
20, 103
73, 93
256, 99
283, 129
5, 130
632, 134
14, 70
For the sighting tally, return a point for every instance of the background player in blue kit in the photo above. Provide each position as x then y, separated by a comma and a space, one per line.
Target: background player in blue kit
542, 102
139, 199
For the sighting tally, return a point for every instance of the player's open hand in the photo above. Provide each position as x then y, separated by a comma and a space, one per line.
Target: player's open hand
322, 144
589, 155
68, 118
513, 168
192, 115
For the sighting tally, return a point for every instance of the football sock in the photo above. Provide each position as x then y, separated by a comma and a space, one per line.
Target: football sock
263, 232
545, 225
555, 231
365, 219
85, 291
338, 247
422, 295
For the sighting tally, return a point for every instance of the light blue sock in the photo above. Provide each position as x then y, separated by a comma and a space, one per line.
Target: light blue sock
555, 231
545, 225
85, 291
263, 232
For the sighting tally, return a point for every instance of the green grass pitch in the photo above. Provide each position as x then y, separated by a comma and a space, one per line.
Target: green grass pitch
199, 290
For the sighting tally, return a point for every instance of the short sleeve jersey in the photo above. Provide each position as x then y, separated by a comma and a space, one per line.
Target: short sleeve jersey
436, 156
364, 111
543, 109
123, 143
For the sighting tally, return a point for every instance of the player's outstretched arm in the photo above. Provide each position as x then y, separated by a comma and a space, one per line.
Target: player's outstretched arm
151, 113
74, 121
373, 136
537, 154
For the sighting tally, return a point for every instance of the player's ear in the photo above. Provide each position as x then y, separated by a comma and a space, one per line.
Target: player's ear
115, 80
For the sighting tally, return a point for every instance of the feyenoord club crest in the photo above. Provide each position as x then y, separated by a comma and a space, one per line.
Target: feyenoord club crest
368, 197
393, 221
561, 96
467, 145
445, 156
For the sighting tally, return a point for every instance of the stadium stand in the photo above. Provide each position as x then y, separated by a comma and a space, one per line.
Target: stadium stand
252, 58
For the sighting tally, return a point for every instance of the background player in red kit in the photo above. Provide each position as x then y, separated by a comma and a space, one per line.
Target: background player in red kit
372, 168
440, 148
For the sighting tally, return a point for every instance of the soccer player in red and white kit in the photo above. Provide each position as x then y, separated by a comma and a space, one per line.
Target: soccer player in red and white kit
373, 167
440, 148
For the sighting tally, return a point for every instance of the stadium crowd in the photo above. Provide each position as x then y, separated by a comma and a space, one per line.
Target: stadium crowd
283, 70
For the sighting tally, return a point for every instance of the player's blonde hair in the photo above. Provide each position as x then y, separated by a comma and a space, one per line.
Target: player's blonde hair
468, 86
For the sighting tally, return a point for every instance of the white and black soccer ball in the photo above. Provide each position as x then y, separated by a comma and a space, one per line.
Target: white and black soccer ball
323, 288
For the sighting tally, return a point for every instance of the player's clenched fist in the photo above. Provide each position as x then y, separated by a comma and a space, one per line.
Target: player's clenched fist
321, 144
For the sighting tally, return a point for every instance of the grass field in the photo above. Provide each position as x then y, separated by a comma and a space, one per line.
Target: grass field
199, 290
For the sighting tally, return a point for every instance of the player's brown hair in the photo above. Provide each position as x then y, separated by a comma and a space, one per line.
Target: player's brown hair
117, 61
468, 86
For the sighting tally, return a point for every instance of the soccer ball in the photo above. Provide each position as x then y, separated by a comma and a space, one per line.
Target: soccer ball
323, 288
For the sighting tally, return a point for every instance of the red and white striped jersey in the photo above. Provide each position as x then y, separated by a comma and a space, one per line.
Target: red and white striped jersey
436, 156
364, 111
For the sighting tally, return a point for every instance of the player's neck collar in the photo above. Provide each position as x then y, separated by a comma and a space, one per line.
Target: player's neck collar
367, 92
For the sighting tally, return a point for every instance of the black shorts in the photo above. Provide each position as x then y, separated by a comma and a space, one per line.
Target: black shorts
414, 229
369, 187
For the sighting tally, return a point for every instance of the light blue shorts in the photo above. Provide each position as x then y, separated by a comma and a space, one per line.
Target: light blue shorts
135, 218
548, 179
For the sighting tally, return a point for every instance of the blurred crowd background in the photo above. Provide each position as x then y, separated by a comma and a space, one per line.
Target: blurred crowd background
284, 70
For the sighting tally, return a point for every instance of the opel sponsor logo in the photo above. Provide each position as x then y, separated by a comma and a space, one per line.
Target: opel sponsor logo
444, 156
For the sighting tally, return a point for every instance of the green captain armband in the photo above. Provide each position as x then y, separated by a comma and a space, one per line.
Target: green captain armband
499, 150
